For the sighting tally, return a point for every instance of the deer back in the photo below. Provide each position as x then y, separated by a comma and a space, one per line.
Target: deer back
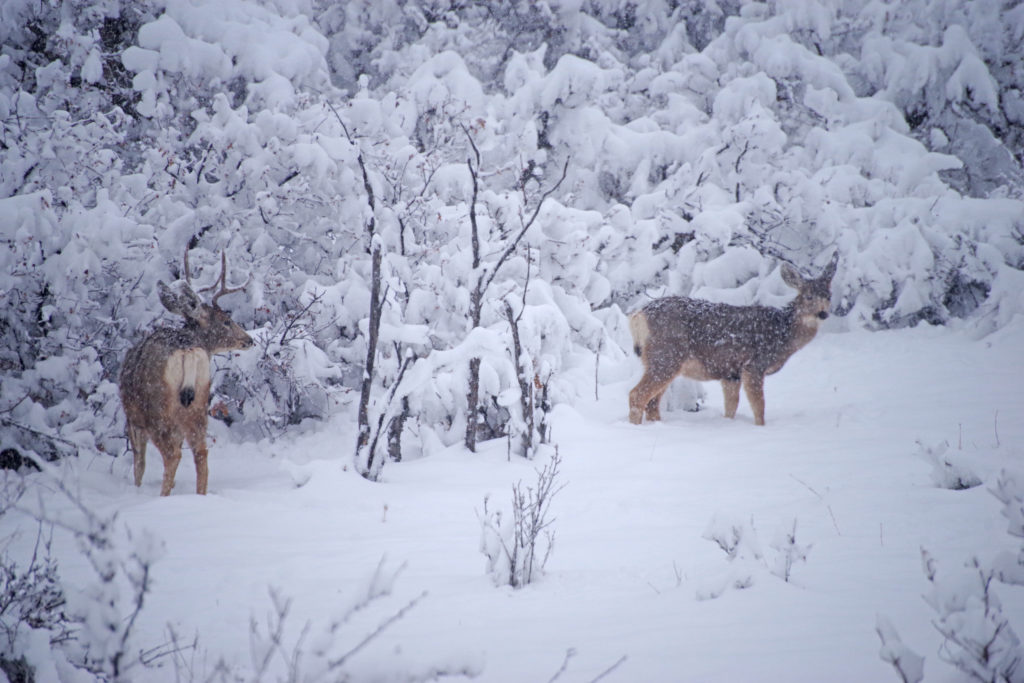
716, 341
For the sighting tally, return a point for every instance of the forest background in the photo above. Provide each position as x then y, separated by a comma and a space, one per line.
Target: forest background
435, 162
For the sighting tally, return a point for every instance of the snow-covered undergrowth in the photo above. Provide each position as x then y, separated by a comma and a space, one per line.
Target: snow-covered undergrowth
632, 573
701, 143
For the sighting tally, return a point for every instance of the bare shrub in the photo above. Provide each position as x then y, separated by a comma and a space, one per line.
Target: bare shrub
518, 549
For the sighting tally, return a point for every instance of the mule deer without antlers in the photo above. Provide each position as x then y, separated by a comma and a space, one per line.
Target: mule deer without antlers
734, 344
165, 379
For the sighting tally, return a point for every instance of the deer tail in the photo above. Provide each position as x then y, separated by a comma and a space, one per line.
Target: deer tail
640, 331
184, 371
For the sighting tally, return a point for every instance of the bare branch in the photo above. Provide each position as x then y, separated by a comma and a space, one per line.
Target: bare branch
472, 144
295, 318
510, 249
475, 233
370, 637
610, 669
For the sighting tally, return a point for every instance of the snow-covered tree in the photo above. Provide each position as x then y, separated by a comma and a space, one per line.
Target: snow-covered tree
706, 141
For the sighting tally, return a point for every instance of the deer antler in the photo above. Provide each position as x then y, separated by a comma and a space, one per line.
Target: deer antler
221, 282
188, 276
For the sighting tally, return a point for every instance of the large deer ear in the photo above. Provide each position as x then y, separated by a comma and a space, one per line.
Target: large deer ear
184, 302
830, 269
791, 276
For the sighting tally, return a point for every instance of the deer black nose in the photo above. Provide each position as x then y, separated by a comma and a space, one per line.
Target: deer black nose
823, 314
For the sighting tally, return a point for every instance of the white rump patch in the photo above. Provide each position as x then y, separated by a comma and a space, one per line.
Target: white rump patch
639, 329
187, 369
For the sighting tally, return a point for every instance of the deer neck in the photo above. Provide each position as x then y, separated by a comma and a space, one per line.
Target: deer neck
198, 337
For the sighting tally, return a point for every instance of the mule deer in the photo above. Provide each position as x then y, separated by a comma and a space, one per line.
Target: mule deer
165, 379
734, 344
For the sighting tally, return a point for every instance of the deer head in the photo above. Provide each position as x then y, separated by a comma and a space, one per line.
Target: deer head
214, 329
813, 297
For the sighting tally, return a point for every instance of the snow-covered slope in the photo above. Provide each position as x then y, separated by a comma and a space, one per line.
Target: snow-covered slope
635, 574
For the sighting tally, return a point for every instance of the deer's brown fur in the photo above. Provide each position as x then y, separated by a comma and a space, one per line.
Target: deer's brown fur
165, 380
733, 344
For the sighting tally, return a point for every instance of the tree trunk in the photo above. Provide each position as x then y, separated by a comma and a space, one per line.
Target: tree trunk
395, 431
363, 438
473, 404
475, 305
525, 386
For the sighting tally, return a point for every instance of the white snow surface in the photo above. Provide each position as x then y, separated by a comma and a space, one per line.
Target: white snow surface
633, 584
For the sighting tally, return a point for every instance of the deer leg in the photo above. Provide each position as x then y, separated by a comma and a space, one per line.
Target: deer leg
637, 401
731, 391
137, 440
753, 383
645, 394
171, 452
653, 409
638, 398
197, 442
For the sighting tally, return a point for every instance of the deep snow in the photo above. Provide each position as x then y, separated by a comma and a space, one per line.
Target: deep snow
631, 575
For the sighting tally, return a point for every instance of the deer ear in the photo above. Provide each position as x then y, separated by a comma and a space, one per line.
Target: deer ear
185, 302
791, 276
830, 269
167, 297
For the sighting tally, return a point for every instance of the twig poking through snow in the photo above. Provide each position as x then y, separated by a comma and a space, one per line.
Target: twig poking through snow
610, 669
569, 654
820, 497
383, 626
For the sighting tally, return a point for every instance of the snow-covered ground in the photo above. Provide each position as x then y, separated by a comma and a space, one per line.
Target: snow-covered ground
635, 584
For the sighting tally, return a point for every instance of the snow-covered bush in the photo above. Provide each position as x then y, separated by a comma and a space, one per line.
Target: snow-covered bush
738, 539
32, 609
518, 548
1009, 490
948, 471
788, 552
953, 72
283, 649
699, 144
47, 625
978, 636
67, 303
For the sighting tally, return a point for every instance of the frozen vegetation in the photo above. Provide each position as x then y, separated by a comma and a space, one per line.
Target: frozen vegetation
423, 466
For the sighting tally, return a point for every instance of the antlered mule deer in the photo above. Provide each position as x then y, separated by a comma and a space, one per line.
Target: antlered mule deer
734, 344
165, 379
